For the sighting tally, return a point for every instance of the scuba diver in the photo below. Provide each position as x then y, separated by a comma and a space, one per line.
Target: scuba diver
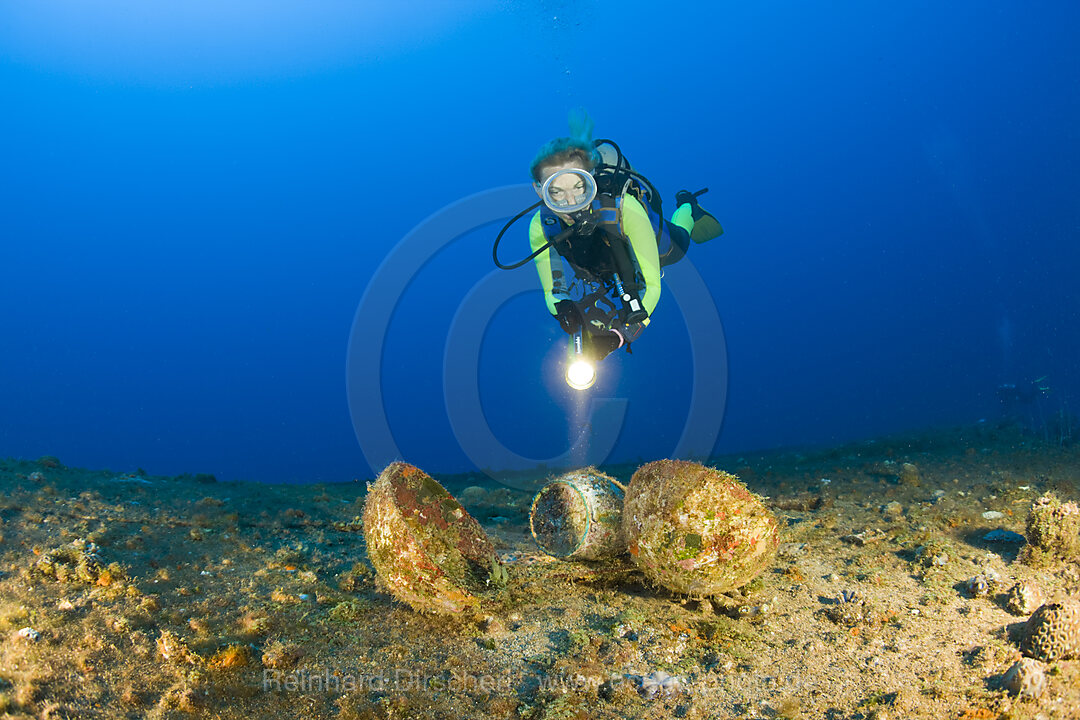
1023, 403
599, 241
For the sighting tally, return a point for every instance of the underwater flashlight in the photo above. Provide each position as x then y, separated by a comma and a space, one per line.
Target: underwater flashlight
632, 308
580, 372
569, 191
580, 375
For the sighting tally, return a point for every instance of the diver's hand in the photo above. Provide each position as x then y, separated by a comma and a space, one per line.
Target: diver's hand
568, 315
604, 343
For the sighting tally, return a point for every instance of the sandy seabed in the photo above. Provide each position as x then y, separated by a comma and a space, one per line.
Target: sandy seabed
127, 595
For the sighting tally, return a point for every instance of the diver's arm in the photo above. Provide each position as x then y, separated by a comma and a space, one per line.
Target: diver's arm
549, 266
639, 231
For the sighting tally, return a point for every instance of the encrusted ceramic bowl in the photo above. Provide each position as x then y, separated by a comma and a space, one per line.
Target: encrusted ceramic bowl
427, 550
696, 530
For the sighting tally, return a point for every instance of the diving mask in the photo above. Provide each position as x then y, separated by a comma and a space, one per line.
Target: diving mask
569, 191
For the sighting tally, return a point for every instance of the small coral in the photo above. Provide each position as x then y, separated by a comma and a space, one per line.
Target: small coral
49, 461
934, 554
1023, 598
1053, 632
254, 623
281, 655
1026, 679
356, 578
1053, 531
232, 657
850, 609
149, 604
173, 648
78, 560
982, 584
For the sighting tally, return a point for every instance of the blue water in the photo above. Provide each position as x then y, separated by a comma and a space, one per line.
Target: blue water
194, 201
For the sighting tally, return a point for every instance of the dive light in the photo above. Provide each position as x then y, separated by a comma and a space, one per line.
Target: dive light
580, 371
635, 313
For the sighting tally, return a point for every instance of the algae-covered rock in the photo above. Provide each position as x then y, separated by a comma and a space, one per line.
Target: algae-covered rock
77, 560
909, 475
1053, 531
427, 550
696, 530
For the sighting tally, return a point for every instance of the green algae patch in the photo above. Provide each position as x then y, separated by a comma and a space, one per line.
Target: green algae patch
427, 550
696, 530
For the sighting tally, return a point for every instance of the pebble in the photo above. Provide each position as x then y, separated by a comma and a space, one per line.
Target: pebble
1004, 537
30, 634
753, 611
791, 549
892, 509
980, 585
659, 683
863, 538
993, 515
130, 479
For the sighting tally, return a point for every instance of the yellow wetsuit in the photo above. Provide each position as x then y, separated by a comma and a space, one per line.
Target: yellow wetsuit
557, 276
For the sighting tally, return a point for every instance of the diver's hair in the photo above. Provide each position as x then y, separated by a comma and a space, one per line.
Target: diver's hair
559, 152
578, 147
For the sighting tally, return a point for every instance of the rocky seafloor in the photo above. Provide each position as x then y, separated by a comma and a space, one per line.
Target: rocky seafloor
901, 590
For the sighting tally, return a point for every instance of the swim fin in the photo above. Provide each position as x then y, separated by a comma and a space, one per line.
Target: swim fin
706, 227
